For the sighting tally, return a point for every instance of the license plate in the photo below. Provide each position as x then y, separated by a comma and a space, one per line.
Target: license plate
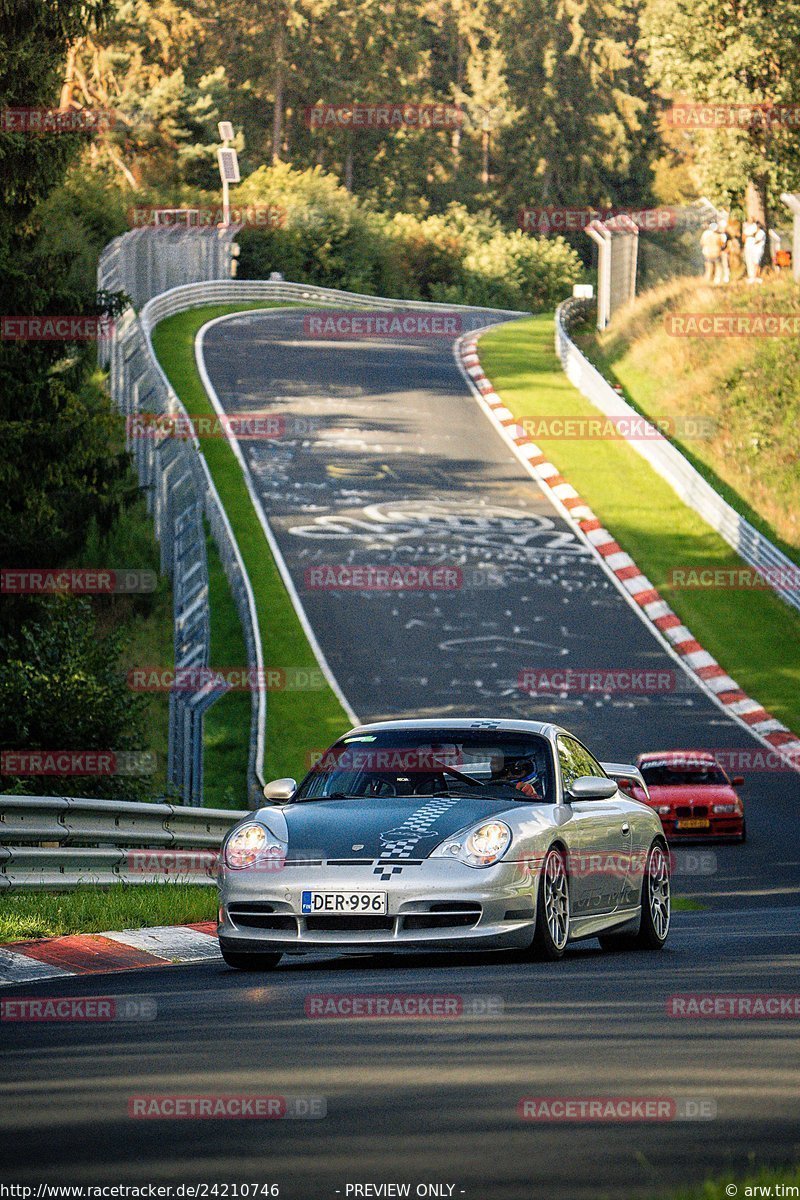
344, 902
693, 823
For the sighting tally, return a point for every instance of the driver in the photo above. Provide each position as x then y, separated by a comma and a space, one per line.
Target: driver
522, 773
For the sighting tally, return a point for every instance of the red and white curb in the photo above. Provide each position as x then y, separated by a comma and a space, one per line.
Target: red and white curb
101, 953
702, 666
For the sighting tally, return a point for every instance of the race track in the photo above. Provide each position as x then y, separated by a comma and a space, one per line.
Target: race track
392, 461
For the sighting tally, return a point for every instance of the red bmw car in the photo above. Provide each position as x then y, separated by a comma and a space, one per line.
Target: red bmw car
692, 795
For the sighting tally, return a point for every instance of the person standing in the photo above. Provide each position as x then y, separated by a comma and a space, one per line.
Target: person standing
711, 243
755, 241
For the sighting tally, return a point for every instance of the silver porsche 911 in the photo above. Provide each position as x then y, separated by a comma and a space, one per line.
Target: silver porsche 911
445, 835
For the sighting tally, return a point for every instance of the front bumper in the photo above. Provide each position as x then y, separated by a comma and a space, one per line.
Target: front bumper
719, 829
436, 904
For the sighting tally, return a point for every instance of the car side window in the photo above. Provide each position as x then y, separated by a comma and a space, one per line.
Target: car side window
575, 761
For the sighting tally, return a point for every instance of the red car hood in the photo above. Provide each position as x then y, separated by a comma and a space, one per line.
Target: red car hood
688, 793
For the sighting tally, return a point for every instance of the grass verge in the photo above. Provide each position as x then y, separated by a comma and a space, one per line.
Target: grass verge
90, 909
297, 722
753, 634
746, 390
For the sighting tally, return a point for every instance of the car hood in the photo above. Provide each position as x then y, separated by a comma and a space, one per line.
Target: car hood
382, 827
692, 793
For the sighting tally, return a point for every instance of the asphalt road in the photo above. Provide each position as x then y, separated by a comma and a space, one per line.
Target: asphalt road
398, 464
419, 1101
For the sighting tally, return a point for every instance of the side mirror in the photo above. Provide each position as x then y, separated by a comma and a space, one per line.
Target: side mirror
280, 791
592, 787
738, 781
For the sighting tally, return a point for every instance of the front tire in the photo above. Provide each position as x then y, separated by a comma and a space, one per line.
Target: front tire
552, 909
250, 962
656, 907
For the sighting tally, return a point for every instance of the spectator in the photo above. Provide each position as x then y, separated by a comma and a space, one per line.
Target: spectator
733, 248
755, 241
711, 245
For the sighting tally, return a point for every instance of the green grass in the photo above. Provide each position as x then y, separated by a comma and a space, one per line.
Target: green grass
296, 721
753, 634
90, 909
746, 389
226, 725
746, 1185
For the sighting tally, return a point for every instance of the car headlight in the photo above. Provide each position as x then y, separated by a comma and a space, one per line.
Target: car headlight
248, 844
663, 810
725, 808
480, 846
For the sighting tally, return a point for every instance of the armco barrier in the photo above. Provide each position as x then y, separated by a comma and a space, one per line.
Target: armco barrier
756, 550
57, 843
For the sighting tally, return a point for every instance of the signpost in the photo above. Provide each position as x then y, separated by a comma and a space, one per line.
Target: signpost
228, 162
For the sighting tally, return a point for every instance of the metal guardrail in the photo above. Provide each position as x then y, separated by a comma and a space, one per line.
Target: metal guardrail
58, 842
756, 550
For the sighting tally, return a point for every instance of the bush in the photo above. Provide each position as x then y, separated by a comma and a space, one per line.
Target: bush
61, 688
330, 239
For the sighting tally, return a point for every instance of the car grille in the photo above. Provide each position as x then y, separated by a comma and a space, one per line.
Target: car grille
258, 914
692, 810
455, 915
348, 923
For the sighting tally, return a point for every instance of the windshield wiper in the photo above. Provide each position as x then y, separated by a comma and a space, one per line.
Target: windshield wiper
458, 774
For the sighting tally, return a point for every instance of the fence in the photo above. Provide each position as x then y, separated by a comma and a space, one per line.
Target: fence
667, 460
57, 843
148, 261
179, 488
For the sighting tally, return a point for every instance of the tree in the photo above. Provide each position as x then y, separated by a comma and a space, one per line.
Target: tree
732, 52
587, 138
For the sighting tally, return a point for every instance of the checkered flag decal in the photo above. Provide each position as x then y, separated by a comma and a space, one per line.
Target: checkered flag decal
401, 842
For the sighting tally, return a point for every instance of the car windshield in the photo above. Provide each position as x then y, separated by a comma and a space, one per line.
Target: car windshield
682, 774
432, 762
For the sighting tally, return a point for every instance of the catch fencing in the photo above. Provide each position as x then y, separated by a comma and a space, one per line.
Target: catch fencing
756, 550
55, 843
